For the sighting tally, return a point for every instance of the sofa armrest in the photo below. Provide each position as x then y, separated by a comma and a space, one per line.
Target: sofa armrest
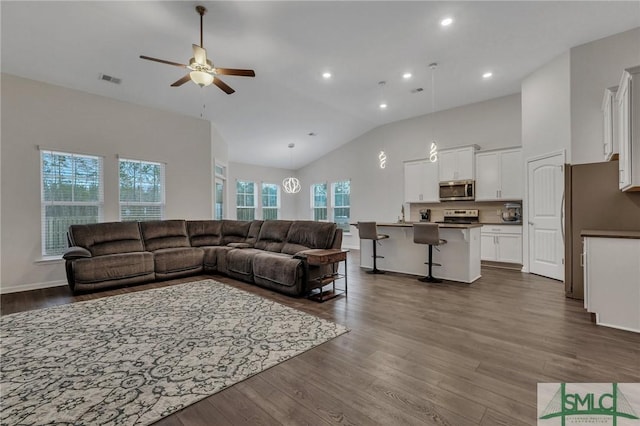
76, 253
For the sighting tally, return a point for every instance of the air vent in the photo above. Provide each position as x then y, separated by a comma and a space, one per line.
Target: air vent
110, 79
418, 90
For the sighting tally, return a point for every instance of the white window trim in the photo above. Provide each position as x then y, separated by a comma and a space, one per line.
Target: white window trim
278, 200
44, 204
255, 198
163, 180
312, 201
222, 178
332, 207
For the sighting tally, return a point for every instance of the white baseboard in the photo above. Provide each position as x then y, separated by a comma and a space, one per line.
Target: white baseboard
32, 286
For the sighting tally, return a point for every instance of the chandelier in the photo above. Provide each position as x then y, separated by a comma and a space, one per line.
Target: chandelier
291, 185
433, 148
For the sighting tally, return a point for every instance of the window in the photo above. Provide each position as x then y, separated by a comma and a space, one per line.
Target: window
319, 201
219, 203
141, 190
341, 192
270, 201
71, 193
245, 200
219, 195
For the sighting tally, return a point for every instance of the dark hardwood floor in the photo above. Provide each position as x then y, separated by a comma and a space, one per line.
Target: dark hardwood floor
442, 354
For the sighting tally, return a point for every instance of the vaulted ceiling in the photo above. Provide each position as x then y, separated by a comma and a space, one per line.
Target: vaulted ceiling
290, 44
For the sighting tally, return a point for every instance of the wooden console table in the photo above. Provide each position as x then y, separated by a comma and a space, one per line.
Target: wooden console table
321, 257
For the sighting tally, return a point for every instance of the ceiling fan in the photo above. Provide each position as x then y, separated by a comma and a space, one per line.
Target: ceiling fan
203, 73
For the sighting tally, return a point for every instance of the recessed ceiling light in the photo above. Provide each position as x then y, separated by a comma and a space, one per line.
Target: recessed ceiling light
406, 75
326, 75
446, 22
488, 74
383, 106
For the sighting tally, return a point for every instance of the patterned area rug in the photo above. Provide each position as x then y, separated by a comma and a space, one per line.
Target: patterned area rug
135, 358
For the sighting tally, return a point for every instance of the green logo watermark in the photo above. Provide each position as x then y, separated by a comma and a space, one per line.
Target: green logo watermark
588, 404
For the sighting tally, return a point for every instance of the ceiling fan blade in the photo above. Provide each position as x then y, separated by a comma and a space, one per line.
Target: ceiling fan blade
182, 81
199, 54
162, 61
221, 84
231, 71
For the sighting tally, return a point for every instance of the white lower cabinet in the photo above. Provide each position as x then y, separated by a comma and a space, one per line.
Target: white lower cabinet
501, 243
612, 281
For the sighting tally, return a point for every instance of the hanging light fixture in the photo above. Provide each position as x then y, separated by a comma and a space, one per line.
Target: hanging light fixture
433, 148
291, 185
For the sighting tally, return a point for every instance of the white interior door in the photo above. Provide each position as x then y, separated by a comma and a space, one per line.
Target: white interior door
545, 200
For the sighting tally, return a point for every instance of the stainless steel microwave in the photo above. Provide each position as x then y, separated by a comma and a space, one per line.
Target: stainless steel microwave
457, 190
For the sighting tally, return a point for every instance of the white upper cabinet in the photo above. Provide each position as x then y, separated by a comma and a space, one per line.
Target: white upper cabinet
421, 182
609, 124
499, 175
457, 164
628, 119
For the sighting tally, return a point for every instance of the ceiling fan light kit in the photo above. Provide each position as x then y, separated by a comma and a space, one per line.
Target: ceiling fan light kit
203, 73
201, 78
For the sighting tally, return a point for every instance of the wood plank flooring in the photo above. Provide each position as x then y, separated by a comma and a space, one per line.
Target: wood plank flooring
417, 354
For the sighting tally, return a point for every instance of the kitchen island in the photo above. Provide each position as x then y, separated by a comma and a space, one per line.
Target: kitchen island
460, 257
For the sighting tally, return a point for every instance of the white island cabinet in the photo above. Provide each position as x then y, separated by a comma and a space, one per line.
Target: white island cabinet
460, 257
611, 261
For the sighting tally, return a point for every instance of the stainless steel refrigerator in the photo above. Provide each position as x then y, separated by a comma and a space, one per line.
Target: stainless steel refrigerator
593, 201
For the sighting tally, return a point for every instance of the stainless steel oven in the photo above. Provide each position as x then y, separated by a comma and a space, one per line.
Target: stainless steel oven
457, 190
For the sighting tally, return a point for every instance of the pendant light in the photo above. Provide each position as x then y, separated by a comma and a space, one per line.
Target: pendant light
433, 148
291, 185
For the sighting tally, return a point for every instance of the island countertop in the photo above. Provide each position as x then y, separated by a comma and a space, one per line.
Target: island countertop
441, 225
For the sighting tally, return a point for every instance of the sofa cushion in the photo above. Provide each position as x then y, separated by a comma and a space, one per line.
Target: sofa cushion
178, 259
211, 256
205, 232
273, 234
234, 231
277, 268
113, 267
254, 232
307, 234
240, 263
107, 238
162, 234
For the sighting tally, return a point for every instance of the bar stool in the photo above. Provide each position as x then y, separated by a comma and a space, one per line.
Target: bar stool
369, 231
428, 233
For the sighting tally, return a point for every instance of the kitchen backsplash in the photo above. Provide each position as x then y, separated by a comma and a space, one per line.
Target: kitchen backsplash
488, 211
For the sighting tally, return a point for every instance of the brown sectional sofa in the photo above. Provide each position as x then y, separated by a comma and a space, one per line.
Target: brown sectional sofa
267, 253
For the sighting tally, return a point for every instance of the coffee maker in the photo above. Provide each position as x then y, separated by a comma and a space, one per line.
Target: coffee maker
512, 212
425, 215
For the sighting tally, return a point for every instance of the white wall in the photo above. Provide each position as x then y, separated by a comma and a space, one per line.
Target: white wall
546, 109
594, 67
546, 123
259, 174
378, 194
61, 119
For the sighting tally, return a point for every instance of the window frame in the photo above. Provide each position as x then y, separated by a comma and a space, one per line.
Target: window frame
99, 203
244, 194
334, 205
315, 208
278, 200
220, 177
161, 204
